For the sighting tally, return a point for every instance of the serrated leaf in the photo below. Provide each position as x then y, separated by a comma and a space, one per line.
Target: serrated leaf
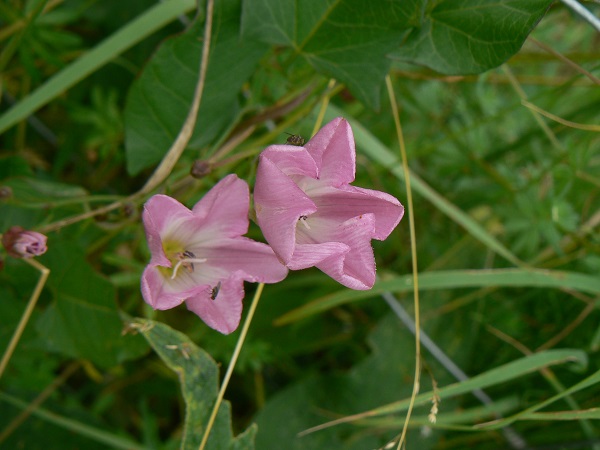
344, 39
160, 99
83, 321
198, 374
470, 36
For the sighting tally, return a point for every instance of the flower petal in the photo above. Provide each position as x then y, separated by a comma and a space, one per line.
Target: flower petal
333, 150
345, 202
159, 294
279, 203
225, 311
356, 268
308, 255
292, 160
225, 207
251, 260
160, 214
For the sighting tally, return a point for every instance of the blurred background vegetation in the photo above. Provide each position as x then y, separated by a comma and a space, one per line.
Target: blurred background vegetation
530, 183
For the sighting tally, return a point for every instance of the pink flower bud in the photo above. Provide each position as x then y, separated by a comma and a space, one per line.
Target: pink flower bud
21, 243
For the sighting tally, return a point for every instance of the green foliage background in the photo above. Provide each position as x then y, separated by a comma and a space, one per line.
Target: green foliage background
505, 204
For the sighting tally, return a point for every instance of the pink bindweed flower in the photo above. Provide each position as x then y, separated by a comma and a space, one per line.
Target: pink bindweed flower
311, 215
21, 243
200, 256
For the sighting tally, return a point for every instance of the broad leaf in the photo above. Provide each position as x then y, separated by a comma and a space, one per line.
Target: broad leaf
159, 101
344, 39
198, 374
83, 321
470, 36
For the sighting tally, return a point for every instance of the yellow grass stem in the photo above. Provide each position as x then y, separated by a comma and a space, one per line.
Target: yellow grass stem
413, 250
27, 313
234, 357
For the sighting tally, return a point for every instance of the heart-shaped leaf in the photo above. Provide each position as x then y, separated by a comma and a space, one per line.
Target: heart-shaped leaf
470, 36
344, 39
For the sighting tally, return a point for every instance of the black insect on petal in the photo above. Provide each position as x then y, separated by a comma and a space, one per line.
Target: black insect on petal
215, 291
295, 139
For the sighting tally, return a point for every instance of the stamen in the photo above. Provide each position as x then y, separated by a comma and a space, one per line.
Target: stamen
215, 291
187, 260
304, 221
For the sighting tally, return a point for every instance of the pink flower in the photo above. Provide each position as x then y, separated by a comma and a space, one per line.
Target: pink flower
200, 257
311, 215
21, 243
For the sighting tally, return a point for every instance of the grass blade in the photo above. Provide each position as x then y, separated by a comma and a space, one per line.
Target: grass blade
132, 33
452, 279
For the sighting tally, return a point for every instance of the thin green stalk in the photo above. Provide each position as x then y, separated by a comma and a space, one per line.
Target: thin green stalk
170, 159
323, 108
234, 357
413, 250
545, 128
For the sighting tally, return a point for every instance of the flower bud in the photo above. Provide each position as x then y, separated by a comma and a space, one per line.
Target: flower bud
21, 243
200, 168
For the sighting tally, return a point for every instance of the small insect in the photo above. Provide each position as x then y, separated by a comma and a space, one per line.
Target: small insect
215, 291
294, 139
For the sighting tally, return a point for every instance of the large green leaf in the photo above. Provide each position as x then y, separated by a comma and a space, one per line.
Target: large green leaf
470, 36
344, 39
160, 99
198, 374
83, 321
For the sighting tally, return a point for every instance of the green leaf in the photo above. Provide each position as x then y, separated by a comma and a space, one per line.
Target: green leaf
470, 36
452, 279
198, 374
160, 99
83, 321
344, 39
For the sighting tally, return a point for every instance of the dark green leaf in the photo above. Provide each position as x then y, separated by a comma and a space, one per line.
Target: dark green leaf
347, 40
470, 36
83, 321
198, 374
159, 101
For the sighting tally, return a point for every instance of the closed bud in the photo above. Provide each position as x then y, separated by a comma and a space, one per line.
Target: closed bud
200, 168
21, 243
